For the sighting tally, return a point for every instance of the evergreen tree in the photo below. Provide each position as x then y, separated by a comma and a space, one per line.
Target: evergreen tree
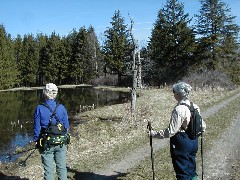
63, 57
18, 47
172, 43
218, 34
69, 43
18, 51
51, 56
42, 42
8, 66
65, 61
117, 47
28, 60
87, 53
94, 51
77, 60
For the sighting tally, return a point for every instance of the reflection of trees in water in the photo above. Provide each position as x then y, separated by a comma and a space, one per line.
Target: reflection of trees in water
20, 139
17, 108
74, 98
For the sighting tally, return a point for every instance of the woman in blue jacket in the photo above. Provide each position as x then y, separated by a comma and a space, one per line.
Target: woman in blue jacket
43, 118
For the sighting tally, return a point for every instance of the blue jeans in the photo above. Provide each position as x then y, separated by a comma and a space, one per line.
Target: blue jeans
183, 154
55, 154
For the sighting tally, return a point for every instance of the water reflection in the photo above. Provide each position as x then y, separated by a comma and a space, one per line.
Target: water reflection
17, 109
20, 140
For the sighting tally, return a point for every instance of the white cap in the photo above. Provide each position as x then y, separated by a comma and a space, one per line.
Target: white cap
50, 91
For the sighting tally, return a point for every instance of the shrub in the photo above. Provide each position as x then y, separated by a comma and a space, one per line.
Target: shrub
212, 79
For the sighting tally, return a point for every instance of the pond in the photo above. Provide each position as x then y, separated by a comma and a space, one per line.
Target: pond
17, 109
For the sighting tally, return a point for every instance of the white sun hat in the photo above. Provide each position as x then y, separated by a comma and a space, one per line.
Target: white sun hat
50, 91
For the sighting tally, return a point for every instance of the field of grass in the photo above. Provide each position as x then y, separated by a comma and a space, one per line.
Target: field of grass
163, 167
110, 132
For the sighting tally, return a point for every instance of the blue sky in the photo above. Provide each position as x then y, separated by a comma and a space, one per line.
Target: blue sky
46, 16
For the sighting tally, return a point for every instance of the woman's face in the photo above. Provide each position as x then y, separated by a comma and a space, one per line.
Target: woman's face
176, 96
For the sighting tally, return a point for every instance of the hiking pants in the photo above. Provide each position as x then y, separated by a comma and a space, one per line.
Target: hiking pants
55, 154
183, 153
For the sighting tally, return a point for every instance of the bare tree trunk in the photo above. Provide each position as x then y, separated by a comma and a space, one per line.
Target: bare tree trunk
133, 92
95, 60
134, 71
139, 73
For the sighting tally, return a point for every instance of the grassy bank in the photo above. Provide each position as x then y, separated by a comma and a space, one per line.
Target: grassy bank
110, 132
163, 166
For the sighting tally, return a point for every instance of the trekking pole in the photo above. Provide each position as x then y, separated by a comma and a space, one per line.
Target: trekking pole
23, 162
9, 156
150, 138
202, 155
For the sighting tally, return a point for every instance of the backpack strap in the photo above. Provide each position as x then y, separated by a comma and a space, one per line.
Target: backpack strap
52, 111
191, 108
185, 104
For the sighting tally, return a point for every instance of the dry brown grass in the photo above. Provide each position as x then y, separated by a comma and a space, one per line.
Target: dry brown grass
98, 139
110, 132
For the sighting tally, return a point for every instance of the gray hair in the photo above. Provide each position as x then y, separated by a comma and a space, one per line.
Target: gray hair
50, 91
182, 89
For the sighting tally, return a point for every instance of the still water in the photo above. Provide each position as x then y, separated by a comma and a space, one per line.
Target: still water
17, 109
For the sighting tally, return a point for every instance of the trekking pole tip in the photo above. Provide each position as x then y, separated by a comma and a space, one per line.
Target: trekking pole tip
22, 163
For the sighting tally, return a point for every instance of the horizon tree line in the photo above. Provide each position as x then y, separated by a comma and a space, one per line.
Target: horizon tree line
175, 50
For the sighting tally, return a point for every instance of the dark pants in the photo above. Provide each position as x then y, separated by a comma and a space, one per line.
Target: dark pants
183, 153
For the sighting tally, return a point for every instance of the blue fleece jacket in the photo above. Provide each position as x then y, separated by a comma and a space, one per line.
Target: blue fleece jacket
42, 116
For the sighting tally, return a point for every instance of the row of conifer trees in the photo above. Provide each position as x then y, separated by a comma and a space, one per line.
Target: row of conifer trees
177, 48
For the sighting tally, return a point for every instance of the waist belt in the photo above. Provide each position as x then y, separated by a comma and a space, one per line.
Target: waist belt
48, 142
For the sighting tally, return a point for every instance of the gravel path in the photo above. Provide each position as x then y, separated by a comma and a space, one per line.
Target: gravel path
218, 162
221, 158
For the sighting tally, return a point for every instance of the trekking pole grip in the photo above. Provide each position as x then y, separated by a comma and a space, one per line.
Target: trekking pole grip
149, 127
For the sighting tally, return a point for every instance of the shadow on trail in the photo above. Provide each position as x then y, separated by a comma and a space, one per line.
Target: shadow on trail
92, 176
5, 177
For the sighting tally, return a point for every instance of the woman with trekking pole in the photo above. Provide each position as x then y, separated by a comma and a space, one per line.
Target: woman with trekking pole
183, 149
51, 133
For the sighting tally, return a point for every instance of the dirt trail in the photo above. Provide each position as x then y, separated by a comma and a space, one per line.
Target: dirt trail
217, 163
220, 159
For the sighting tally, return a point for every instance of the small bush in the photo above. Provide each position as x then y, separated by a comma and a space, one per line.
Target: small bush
210, 79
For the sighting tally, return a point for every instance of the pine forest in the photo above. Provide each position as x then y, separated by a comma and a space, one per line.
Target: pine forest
205, 52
